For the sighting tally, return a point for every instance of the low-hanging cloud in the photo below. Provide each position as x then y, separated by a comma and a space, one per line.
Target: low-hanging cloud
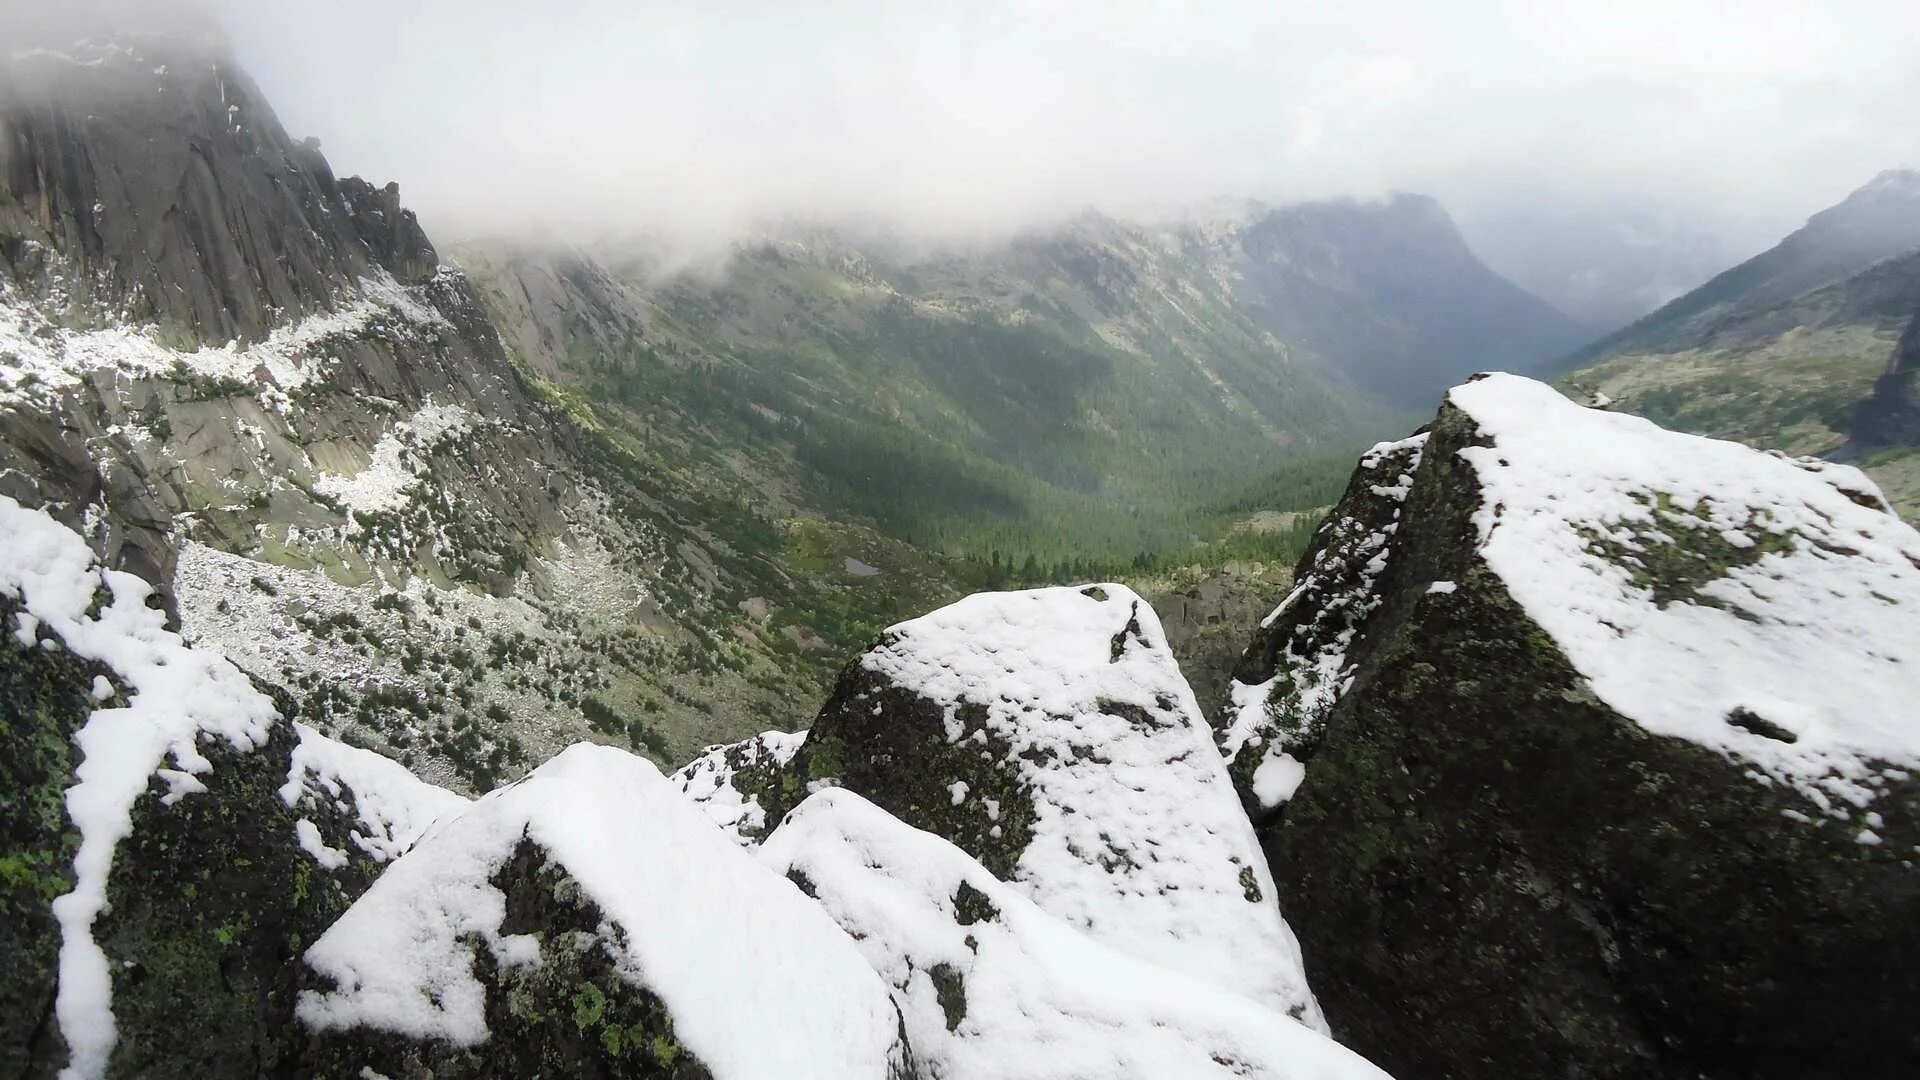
950, 117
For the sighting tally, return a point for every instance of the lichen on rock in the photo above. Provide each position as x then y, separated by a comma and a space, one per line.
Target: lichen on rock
1051, 736
1621, 779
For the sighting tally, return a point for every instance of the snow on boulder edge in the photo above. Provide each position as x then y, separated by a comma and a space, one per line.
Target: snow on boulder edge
1050, 735
1616, 746
153, 838
587, 919
994, 988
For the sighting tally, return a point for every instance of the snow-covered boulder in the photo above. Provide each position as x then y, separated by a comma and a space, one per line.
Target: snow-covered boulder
736, 784
1050, 735
1587, 748
994, 988
165, 831
588, 921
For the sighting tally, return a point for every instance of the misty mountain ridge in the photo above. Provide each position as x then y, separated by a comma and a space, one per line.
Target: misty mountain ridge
1805, 348
1878, 221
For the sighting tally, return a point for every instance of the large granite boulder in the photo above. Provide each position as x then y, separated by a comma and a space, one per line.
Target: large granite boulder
1588, 749
588, 921
1050, 735
169, 842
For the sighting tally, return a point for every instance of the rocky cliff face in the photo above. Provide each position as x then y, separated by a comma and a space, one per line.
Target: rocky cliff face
144, 178
253, 384
1891, 417
1568, 758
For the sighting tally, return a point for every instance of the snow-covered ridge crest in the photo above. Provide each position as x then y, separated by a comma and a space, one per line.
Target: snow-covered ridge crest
992, 987
40, 359
175, 697
1137, 835
759, 981
1765, 608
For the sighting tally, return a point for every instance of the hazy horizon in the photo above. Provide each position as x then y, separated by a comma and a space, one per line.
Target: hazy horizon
1683, 140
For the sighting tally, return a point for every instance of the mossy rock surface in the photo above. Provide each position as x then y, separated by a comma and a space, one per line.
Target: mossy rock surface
211, 898
574, 1014
890, 744
44, 698
212, 901
1494, 874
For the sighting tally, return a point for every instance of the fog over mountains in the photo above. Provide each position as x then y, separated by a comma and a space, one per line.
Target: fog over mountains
1606, 161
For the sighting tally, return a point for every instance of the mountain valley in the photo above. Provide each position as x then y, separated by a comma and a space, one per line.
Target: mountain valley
1190, 646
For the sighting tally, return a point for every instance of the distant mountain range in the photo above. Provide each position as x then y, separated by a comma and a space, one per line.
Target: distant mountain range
1799, 348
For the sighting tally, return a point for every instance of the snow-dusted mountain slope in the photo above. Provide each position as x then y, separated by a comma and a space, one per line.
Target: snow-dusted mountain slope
1607, 719
255, 384
992, 987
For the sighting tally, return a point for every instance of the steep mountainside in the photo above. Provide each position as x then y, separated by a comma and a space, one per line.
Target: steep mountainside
1083, 391
1785, 350
255, 384
1584, 748
1879, 221
1386, 292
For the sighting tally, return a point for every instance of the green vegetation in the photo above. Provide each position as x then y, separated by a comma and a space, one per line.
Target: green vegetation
1047, 416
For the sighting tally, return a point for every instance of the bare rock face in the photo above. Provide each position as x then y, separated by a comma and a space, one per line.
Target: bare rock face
1599, 754
1891, 417
146, 178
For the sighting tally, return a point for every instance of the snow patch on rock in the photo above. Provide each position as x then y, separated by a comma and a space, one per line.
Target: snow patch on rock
393, 806
1138, 836
40, 359
1312, 671
175, 697
1765, 608
716, 780
396, 466
992, 987
759, 981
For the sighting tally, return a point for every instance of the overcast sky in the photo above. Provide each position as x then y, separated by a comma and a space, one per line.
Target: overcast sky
963, 113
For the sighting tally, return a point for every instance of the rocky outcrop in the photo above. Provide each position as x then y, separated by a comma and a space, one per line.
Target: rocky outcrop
1603, 761
735, 784
1891, 417
992, 987
587, 921
144, 178
171, 843
1050, 735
